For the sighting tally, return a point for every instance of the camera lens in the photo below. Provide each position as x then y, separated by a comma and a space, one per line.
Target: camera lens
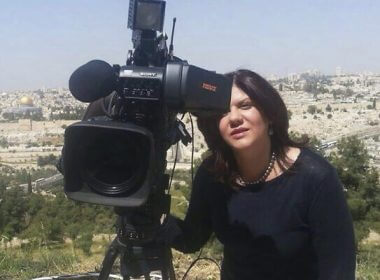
113, 162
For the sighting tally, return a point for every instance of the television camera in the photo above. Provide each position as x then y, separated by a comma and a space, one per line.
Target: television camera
116, 155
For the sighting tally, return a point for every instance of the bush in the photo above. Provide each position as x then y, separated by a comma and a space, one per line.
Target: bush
358, 208
361, 182
24, 265
4, 142
84, 242
48, 160
290, 113
368, 263
311, 109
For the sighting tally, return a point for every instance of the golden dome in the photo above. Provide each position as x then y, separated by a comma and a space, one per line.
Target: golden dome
26, 101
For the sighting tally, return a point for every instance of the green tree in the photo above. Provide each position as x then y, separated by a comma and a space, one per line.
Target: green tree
47, 160
43, 219
311, 109
360, 181
13, 208
3, 142
351, 160
290, 113
349, 92
3, 187
37, 116
310, 141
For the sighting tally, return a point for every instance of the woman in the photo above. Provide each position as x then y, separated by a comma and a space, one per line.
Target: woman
277, 207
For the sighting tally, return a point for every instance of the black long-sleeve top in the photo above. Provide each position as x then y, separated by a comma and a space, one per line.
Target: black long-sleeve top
294, 227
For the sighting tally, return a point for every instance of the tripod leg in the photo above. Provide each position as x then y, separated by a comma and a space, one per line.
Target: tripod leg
170, 265
108, 261
123, 267
168, 268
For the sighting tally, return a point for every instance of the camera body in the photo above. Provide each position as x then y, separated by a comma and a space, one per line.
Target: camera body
118, 158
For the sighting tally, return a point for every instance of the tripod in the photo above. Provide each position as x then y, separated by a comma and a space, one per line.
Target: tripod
138, 254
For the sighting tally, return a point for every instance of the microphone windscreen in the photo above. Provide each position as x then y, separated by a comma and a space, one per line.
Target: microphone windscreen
93, 80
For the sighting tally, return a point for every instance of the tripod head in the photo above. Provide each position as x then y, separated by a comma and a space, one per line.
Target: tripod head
136, 230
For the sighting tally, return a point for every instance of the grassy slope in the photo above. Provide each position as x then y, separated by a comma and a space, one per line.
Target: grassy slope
27, 263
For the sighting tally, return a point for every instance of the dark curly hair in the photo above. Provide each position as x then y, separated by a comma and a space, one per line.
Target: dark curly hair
268, 101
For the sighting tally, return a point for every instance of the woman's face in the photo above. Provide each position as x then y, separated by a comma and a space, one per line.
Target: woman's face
243, 127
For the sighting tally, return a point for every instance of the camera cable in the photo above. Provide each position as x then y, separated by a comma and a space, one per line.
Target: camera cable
200, 259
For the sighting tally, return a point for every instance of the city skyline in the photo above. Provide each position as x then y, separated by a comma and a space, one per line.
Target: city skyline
43, 41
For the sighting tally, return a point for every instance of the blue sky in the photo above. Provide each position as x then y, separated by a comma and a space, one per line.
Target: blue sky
43, 41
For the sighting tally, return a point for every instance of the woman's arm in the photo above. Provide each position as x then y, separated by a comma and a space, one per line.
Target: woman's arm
332, 231
194, 231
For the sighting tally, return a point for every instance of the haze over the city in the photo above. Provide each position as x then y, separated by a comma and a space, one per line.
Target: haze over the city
43, 41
